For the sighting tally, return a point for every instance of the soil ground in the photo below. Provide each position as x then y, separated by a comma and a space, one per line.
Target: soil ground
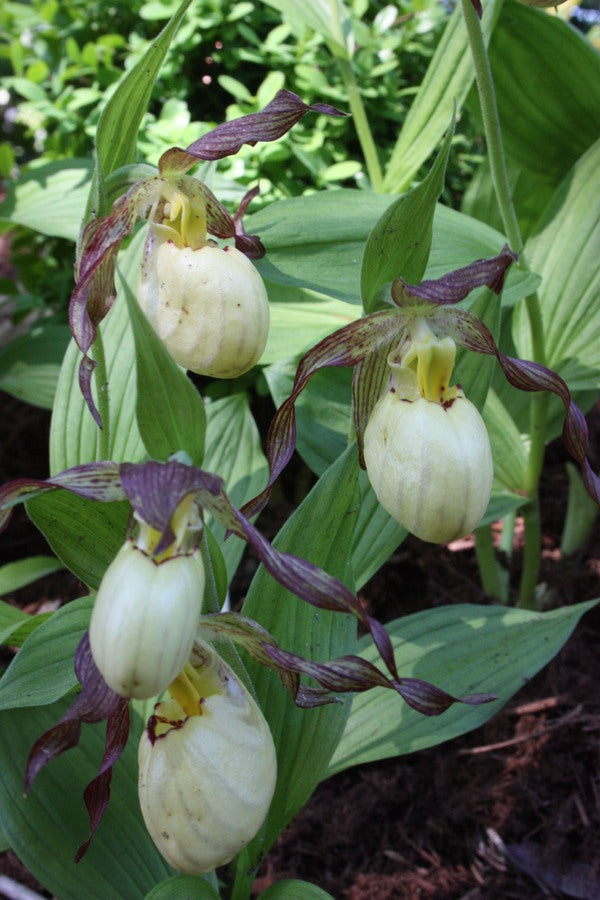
509, 811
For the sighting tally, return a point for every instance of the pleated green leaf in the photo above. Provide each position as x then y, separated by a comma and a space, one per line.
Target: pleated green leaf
234, 451
73, 432
84, 534
323, 413
563, 249
16, 575
42, 671
317, 241
447, 81
169, 409
116, 135
300, 318
305, 739
14, 631
49, 197
293, 889
30, 364
462, 649
547, 79
400, 242
376, 535
328, 18
45, 828
183, 887
530, 191
508, 444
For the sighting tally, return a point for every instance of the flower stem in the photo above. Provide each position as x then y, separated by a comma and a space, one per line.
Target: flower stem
487, 562
491, 124
101, 376
539, 402
532, 553
361, 123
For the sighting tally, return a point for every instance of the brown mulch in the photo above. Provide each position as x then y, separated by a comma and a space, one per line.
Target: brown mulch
510, 811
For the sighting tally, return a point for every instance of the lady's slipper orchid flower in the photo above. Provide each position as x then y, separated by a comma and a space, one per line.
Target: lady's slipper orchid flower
147, 608
159, 494
207, 767
181, 210
426, 448
367, 344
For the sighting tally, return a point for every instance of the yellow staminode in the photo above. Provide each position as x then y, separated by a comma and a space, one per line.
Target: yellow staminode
149, 537
184, 218
434, 361
183, 690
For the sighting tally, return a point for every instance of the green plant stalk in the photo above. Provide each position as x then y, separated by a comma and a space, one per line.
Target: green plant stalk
487, 562
493, 136
361, 123
102, 400
532, 552
244, 877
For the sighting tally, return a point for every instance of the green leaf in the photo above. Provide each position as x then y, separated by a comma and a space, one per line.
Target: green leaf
73, 432
16, 634
530, 192
234, 451
447, 81
376, 535
11, 616
300, 318
42, 671
400, 242
305, 739
323, 412
116, 136
169, 409
4, 843
317, 241
16, 575
563, 250
30, 364
84, 534
558, 113
462, 649
45, 828
328, 18
508, 445
49, 197
293, 889
183, 887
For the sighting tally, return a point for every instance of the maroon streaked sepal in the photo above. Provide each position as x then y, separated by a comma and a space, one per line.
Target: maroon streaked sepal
469, 332
370, 377
95, 703
227, 139
97, 481
455, 286
345, 347
346, 674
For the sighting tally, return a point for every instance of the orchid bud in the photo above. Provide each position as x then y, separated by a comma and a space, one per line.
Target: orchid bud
146, 612
207, 767
207, 304
429, 458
